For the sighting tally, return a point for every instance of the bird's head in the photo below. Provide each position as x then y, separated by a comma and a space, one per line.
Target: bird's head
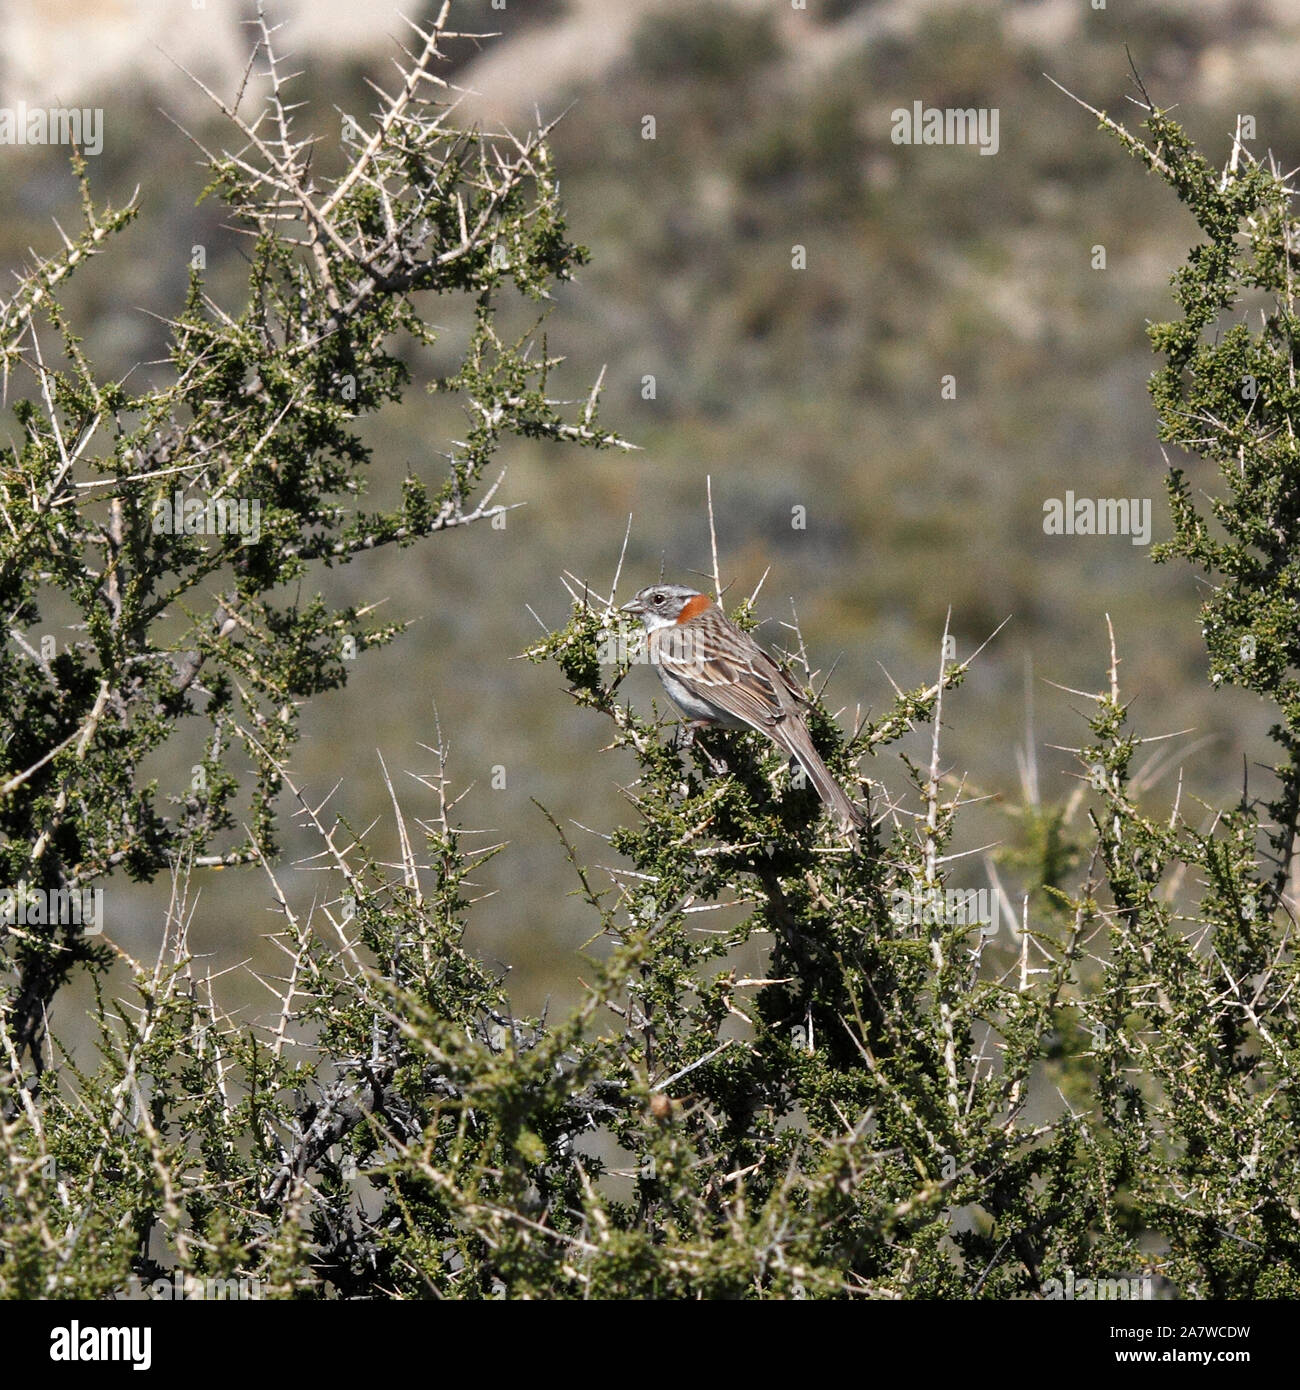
661, 605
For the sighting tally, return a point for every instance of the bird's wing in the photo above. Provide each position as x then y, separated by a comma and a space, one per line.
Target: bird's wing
729, 668
793, 688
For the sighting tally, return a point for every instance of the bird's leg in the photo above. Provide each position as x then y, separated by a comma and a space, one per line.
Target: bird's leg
693, 726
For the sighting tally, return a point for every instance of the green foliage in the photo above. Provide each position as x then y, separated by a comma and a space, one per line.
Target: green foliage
179, 616
904, 1100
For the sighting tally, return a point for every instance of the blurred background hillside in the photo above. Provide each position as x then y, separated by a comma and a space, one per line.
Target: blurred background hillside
816, 388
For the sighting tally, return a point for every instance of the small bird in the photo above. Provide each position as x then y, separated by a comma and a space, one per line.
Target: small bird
718, 675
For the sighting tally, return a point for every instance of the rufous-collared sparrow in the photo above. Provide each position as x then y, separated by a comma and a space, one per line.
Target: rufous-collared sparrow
718, 675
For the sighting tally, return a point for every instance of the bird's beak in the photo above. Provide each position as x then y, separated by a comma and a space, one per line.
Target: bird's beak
636, 606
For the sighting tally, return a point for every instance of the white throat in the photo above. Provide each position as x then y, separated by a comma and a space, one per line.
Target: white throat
654, 621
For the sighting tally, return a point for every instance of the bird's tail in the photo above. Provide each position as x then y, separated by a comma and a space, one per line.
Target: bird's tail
800, 745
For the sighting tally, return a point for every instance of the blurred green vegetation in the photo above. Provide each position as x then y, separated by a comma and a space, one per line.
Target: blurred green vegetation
817, 388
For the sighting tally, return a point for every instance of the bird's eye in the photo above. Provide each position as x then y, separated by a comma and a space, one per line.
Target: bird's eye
656, 598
